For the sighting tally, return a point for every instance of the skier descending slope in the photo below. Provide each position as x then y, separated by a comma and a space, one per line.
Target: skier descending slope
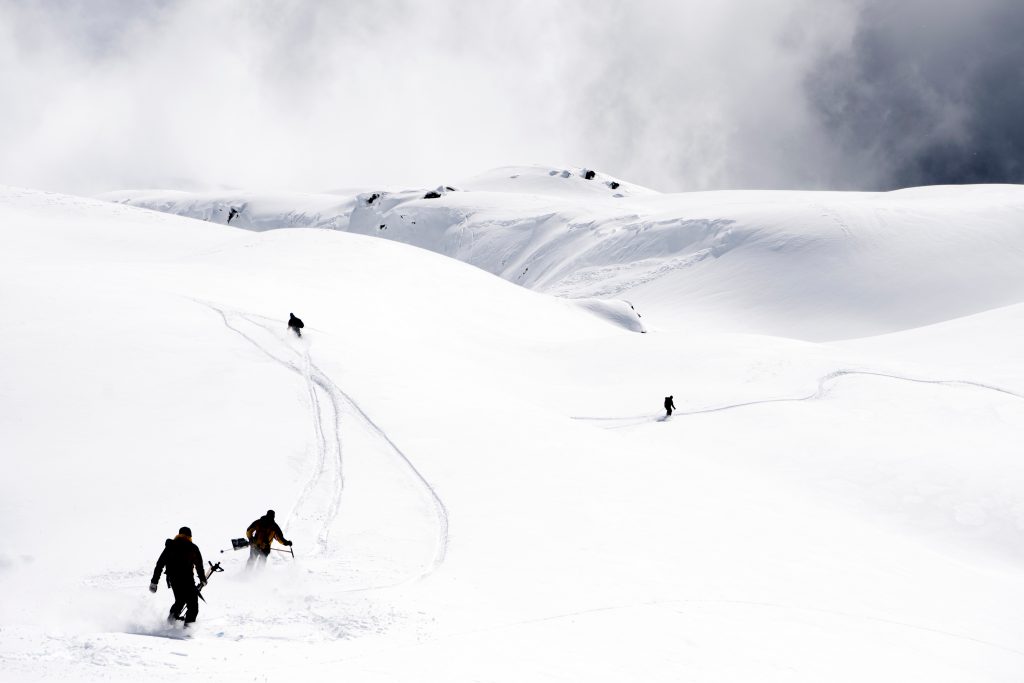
261, 534
670, 405
295, 325
180, 557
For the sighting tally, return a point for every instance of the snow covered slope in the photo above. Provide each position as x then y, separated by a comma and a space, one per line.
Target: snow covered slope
812, 265
477, 476
248, 210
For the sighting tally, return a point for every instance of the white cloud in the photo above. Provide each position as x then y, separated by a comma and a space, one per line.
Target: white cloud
678, 95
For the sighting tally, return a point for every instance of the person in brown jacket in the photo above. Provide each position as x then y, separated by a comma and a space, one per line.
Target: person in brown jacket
261, 534
180, 557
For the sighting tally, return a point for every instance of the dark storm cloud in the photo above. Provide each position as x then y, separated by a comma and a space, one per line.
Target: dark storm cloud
928, 93
696, 95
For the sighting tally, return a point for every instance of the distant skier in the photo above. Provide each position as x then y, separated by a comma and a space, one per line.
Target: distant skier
295, 325
180, 557
670, 405
261, 534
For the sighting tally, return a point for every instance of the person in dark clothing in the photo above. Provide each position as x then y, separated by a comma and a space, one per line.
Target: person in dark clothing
670, 405
294, 324
180, 557
261, 534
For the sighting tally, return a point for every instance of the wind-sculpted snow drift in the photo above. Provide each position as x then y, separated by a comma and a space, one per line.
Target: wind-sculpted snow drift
814, 265
478, 477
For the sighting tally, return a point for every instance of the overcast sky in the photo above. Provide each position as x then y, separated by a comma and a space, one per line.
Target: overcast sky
675, 94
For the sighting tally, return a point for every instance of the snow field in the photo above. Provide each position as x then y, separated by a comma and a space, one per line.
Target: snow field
476, 476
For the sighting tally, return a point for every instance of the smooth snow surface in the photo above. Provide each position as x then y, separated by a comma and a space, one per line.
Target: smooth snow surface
478, 476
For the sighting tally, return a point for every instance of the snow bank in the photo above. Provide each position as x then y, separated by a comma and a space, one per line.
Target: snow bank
617, 312
252, 211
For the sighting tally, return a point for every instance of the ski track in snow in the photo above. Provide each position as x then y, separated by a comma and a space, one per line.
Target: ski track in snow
321, 465
675, 605
839, 613
824, 384
315, 378
832, 215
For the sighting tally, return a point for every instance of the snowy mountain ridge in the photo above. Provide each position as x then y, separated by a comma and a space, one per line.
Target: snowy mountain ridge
813, 265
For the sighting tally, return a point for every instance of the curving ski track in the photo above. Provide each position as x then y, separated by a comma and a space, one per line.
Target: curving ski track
329, 442
323, 447
824, 384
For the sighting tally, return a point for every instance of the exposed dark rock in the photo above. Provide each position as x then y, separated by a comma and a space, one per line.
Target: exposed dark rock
432, 195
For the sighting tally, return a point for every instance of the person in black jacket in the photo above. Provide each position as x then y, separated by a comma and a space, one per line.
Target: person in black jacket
261, 534
294, 324
180, 557
670, 405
